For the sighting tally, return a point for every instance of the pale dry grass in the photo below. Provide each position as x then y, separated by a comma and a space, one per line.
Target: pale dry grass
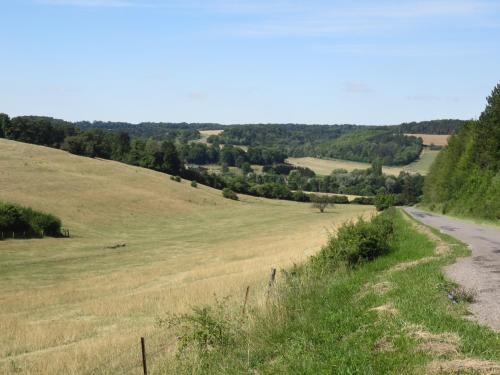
437, 139
69, 305
463, 366
327, 166
439, 344
208, 133
387, 309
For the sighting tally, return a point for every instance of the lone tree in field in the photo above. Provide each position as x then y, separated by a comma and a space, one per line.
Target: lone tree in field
321, 202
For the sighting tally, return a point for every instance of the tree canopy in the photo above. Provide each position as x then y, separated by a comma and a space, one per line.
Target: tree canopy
465, 178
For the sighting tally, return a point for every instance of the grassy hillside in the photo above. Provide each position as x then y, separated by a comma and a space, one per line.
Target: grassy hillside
465, 179
69, 305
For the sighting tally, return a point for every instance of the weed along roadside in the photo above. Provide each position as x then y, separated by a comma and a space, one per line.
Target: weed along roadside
373, 300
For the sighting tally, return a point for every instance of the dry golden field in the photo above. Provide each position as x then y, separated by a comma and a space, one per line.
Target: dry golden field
77, 305
438, 140
326, 166
207, 133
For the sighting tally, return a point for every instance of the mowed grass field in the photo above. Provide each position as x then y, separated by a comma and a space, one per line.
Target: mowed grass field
70, 305
326, 166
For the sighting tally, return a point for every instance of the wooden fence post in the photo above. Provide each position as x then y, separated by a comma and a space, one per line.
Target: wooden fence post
143, 349
271, 283
246, 299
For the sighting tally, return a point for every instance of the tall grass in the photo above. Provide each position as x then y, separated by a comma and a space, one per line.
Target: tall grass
379, 315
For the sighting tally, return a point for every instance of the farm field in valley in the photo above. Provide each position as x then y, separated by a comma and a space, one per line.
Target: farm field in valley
436, 139
326, 166
141, 246
207, 133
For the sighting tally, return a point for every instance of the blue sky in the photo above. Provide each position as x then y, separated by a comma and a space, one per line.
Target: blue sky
311, 61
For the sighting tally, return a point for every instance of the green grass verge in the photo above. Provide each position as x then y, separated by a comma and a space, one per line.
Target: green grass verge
324, 324
470, 219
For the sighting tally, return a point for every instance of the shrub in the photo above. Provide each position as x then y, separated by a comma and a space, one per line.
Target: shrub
363, 200
194, 184
12, 218
44, 223
384, 201
175, 178
320, 202
229, 194
18, 219
340, 199
358, 242
205, 328
300, 196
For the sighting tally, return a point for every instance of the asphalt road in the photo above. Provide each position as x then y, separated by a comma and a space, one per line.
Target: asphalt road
481, 271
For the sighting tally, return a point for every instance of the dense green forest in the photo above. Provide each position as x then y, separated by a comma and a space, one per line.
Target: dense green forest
156, 130
368, 145
465, 178
349, 142
432, 127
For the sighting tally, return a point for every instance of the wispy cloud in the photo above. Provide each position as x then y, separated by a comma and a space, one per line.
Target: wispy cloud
330, 19
289, 18
357, 87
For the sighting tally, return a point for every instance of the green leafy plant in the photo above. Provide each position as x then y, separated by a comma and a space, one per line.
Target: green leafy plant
229, 194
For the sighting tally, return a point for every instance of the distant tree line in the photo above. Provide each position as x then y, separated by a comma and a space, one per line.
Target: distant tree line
442, 127
279, 180
367, 145
465, 178
156, 130
348, 142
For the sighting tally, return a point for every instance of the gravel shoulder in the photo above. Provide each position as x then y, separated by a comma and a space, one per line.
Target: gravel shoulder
479, 272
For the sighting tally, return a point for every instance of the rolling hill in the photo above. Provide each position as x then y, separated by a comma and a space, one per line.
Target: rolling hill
141, 245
